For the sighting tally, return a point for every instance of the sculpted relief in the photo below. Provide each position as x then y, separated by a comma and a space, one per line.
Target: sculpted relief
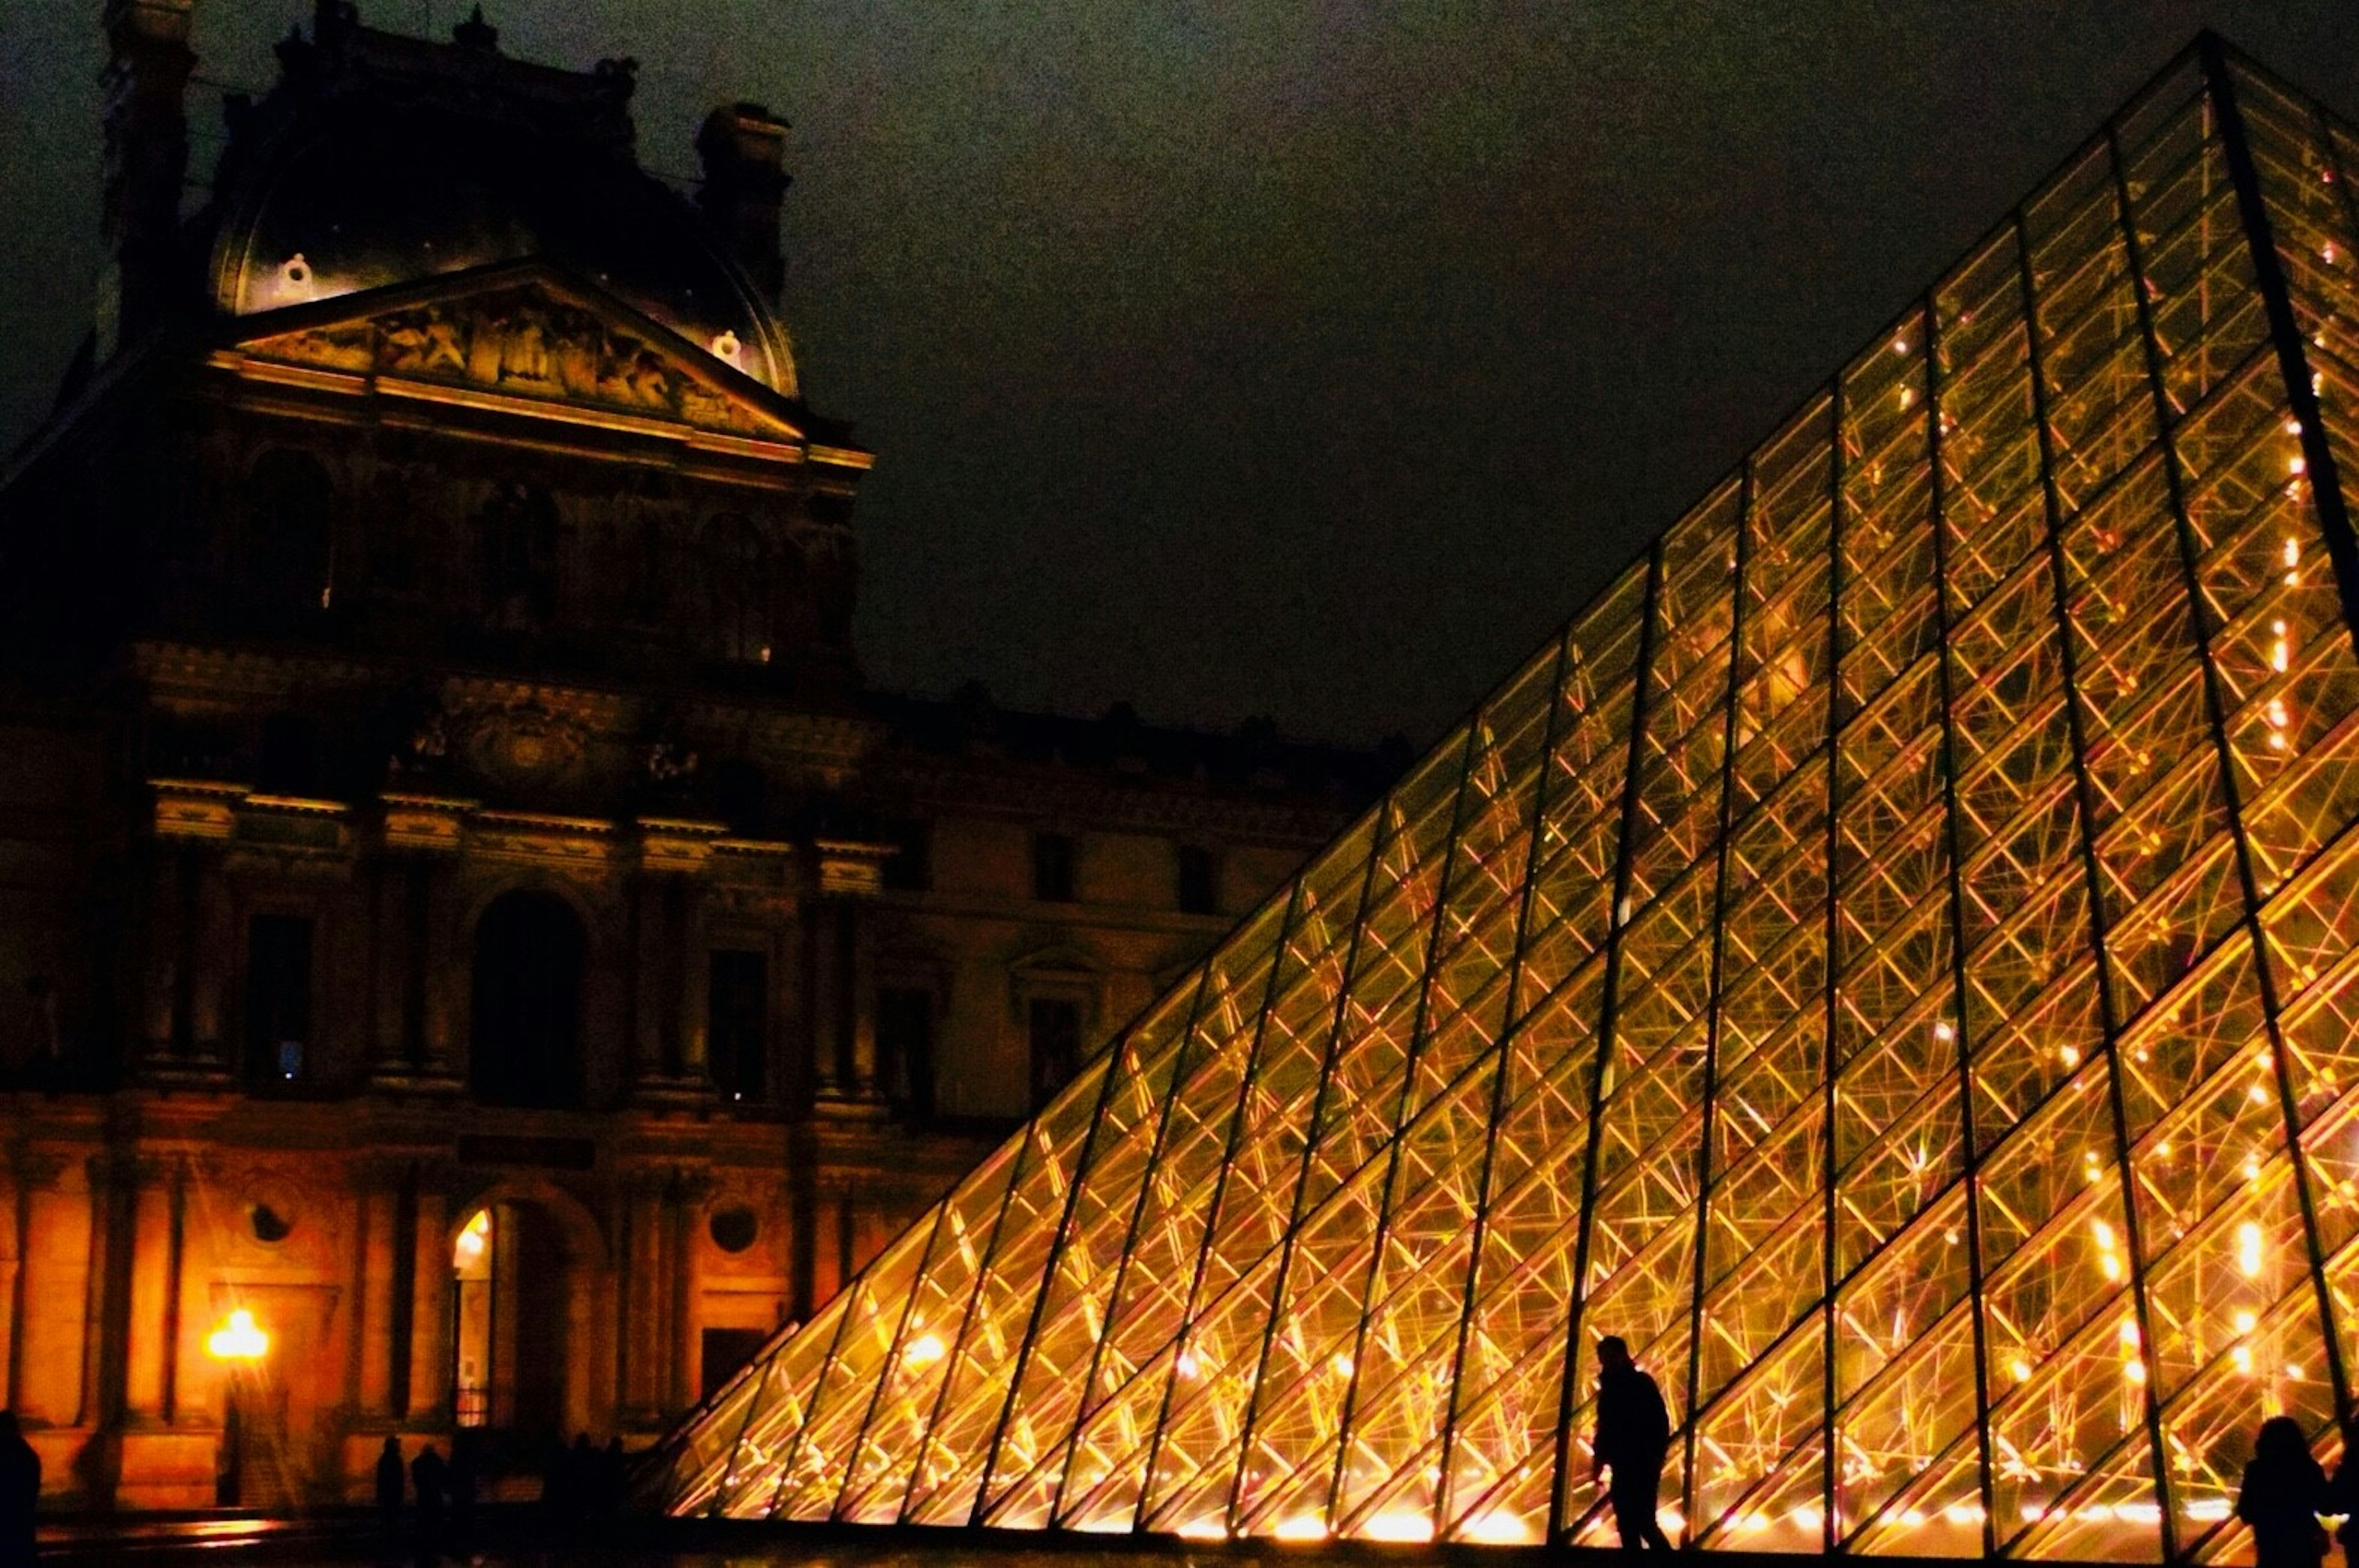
525, 744
523, 340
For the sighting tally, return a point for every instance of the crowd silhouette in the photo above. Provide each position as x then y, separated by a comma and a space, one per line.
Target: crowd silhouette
580, 1483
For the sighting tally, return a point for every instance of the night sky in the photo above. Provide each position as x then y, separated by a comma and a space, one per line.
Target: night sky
1308, 360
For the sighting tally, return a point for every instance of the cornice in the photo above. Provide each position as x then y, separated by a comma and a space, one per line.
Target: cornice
1018, 792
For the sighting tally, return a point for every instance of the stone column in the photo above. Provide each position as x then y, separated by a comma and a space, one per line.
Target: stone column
790, 1072
641, 1341
429, 1355
107, 1277
802, 1222
647, 944
447, 974
695, 998
160, 1009
380, 1208
859, 978
12, 1265
44, 1357
213, 961
150, 1349
390, 963
824, 997
688, 1191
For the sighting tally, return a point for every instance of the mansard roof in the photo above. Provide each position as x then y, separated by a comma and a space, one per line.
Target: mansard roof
379, 159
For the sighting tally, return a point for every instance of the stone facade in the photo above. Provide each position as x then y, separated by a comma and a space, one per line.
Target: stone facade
458, 903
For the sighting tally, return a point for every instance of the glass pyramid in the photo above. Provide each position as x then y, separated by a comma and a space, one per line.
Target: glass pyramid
1892, 957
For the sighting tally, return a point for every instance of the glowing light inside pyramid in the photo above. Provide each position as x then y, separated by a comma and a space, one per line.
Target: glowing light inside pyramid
1894, 959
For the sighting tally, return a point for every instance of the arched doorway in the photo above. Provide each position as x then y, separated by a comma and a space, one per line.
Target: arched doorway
525, 1039
522, 1290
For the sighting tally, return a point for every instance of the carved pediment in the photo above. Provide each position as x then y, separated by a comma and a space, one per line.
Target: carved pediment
531, 335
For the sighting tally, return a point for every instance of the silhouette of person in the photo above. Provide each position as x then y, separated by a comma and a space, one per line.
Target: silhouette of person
614, 1476
1633, 1434
464, 1476
430, 1475
2283, 1494
390, 1485
580, 1464
557, 1484
20, 1491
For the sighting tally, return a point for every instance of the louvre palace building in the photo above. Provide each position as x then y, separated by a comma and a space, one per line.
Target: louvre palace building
1892, 957
474, 956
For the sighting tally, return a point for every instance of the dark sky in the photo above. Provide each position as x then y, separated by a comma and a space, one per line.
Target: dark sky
1302, 359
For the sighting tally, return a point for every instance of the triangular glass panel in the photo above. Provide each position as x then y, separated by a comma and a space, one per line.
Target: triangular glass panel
1893, 959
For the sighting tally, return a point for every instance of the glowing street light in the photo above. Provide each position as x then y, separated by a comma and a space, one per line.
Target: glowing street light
237, 1339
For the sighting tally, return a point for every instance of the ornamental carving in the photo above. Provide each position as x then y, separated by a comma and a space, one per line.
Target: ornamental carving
525, 340
525, 744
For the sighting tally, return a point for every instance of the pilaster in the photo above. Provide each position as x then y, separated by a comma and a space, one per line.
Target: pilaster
150, 1345
378, 1244
429, 1400
641, 1338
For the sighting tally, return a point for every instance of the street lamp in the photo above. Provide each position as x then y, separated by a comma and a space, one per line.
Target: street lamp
237, 1339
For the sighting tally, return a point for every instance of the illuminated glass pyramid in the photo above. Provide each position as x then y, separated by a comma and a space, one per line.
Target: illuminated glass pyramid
1893, 959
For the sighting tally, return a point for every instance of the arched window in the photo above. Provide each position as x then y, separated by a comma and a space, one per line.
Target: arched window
740, 590
291, 533
524, 1045
519, 547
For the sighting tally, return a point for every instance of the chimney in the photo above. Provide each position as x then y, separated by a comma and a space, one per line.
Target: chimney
743, 148
147, 67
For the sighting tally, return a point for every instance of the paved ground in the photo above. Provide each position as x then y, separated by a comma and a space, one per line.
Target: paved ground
520, 1536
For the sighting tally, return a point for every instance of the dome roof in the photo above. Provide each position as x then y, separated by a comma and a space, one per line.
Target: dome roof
381, 161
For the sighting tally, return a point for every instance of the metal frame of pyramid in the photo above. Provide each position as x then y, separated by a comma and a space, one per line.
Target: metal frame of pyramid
1892, 957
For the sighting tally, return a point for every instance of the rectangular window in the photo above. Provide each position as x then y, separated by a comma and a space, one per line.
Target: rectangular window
277, 998
1200, 880
1056, 1028
287, 758
725, 1350
1052, 868
909, 869
904, 1047
737, 997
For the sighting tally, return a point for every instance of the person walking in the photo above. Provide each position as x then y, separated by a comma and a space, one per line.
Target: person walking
2283, 1494
614, 1477
430, 1475
1634, 1437
390, 1487
20, 1492
463, 1479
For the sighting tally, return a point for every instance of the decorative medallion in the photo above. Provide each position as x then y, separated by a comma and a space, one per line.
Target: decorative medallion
525, 744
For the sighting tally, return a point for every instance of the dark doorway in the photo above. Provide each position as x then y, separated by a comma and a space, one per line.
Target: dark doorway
537, 1278
524, 1045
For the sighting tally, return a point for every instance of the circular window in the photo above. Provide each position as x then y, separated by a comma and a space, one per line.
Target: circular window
733, 1228
268, 1224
